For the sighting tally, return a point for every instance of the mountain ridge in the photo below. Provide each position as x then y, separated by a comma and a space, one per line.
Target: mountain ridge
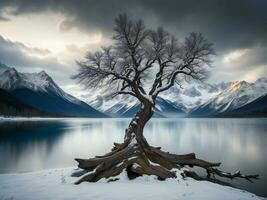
233, 98
39, 90
196, 100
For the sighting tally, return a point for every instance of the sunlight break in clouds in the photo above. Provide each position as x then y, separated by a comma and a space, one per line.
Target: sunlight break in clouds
43, 31
234, 56
44, 45
245, 64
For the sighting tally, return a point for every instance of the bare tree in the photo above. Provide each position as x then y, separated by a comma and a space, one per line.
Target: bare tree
144, 63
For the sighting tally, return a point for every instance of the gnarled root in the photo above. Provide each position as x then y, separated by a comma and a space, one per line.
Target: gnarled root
143, 159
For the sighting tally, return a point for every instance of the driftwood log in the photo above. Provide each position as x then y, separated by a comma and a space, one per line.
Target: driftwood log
137, 157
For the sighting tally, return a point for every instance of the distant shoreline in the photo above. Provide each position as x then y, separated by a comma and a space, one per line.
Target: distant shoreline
9, 119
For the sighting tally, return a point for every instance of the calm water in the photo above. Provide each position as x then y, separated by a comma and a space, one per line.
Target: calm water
35, 145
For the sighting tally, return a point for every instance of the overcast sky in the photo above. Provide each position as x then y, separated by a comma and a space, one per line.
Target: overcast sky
51, 35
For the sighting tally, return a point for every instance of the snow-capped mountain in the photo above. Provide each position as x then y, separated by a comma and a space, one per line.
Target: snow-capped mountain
11, 79
117, 106
176, 102
126, 106
197, 99
194, 94
40, 91
256, 108
236, 96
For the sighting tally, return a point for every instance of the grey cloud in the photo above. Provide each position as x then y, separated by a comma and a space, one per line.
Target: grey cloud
250, 59
21, 46
2, 18
249, 65
229, 24
18, 55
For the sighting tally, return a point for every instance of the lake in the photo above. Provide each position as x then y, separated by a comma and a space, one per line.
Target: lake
29, 145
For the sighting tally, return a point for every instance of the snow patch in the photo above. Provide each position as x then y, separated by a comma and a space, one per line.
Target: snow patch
58, 184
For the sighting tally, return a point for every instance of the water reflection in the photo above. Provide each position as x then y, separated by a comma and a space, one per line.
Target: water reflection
25, 146
35, 145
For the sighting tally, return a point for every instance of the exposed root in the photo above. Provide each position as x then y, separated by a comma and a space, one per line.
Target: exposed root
138, 160
232, 175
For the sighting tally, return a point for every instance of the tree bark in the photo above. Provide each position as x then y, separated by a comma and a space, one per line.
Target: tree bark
137, 157
137, 124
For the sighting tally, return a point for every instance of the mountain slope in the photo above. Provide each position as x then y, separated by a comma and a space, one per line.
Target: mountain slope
164, 108
125, 106
256, 108
174, 103
193, 94
232, 99
41, 92
167, 108
11, 106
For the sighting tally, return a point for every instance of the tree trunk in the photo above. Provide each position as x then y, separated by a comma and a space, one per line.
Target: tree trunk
137, 124
137, 157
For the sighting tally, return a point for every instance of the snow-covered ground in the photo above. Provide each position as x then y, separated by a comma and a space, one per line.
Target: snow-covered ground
58, 184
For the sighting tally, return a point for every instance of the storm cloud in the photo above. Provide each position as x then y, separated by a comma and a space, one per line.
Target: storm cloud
229, 24
233, 26
27, 59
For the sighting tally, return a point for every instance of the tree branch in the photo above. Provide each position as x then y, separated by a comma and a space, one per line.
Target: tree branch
137, 54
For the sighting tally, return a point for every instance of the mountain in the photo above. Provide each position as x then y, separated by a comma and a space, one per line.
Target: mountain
239, 98
39, 91
256, 108
193, 94
176, 102
198, 99
120, 106
11, 106
164, 108
127, 106
167, 108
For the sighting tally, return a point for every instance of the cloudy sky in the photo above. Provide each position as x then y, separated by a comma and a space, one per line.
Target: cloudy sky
50, 35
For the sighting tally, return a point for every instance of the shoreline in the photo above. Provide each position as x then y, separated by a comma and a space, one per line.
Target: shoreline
58, 184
